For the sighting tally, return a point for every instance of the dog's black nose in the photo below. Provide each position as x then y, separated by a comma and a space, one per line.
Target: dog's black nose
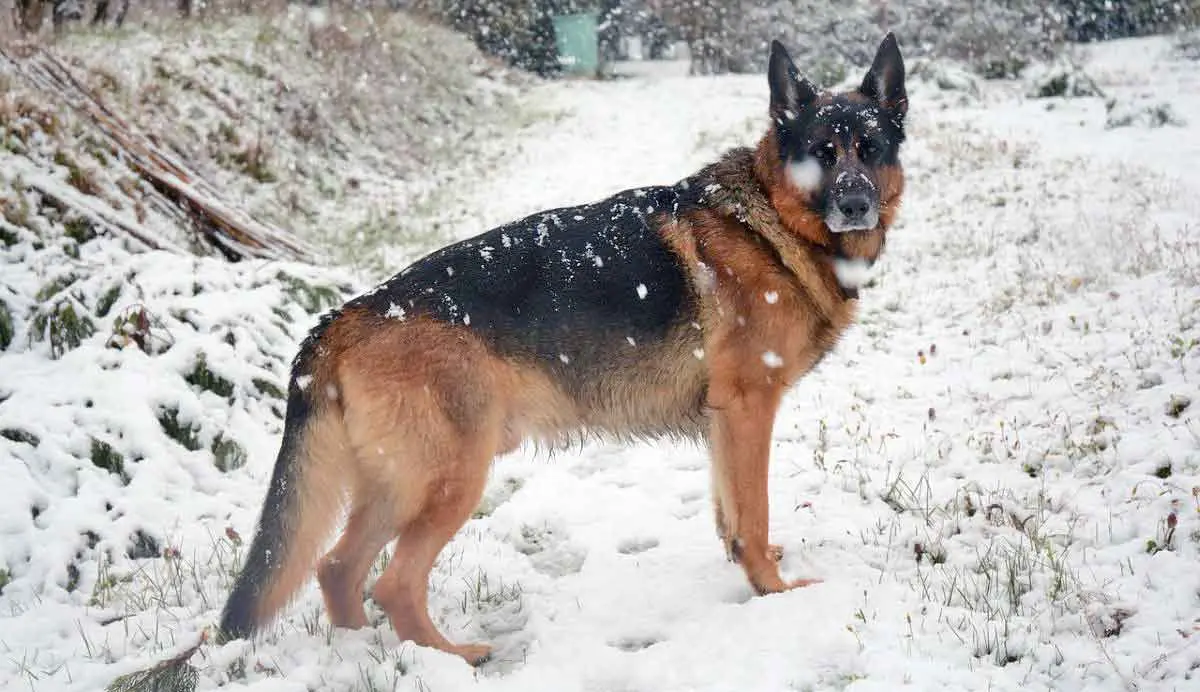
854, 207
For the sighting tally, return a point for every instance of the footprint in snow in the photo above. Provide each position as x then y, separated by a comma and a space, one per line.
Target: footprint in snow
637, 643
633, 546
687, 511
690, 504
550, 551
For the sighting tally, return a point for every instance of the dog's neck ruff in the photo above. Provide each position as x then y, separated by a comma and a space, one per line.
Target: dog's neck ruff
731, 185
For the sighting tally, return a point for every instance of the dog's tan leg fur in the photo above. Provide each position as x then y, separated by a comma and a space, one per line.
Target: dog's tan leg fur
402, 590
342, 573
423, 415
740, 441
774, 551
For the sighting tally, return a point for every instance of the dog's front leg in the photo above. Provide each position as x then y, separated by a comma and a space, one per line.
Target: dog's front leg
740, 439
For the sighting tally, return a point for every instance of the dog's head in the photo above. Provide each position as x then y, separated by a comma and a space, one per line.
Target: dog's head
836, 155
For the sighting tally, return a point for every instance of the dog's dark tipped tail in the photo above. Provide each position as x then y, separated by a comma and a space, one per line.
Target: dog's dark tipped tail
300, 506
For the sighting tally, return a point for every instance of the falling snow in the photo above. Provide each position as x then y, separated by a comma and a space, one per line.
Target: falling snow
772, 359
986, 471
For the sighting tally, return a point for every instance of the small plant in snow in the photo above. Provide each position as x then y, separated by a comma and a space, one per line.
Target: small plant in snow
1165, 539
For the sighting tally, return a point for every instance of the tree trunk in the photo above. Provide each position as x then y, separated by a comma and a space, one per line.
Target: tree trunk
29, 16
101, 13
121, 13
185, 8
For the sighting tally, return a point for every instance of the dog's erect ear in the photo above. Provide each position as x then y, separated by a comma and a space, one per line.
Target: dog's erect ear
789, 91
884, 82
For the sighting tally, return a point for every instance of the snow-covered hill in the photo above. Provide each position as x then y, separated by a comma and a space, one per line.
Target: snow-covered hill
997, 474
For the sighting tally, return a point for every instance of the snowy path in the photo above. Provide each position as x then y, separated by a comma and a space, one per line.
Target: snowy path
601, 138
983, 472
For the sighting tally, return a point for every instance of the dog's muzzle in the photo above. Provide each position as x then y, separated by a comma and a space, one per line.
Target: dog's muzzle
853, 211
853, 202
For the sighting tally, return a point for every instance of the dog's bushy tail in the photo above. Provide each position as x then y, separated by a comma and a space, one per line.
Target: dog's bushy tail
301, 505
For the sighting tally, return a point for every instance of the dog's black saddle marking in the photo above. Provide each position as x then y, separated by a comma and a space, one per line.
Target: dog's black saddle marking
565, 286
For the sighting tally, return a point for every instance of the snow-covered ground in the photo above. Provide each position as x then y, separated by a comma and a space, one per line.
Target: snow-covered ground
997, 473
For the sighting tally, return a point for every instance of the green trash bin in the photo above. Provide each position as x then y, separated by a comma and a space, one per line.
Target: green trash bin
577, 39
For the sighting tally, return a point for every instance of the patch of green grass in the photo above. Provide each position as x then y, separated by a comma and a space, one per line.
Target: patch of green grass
228, 455
204, 378
72, 577
19, 435
481, 595
5, 579
186, 435
6, 326
313, 298
62, 327
8, 238
77, 177
55, 287
104, 456
227, 133
143, 546
107, 300
267, 387
79, 229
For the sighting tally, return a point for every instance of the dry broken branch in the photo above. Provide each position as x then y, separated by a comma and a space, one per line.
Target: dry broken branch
233, 232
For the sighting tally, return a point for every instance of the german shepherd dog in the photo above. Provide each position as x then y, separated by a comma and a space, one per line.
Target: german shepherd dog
683, 310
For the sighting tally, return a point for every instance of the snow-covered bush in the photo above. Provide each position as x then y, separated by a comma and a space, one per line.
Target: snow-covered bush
1140, 113
1098, 20
944, 74
520, 32
1059, 78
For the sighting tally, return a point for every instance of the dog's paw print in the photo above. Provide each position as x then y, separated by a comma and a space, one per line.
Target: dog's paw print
550, 551
686, 511
632, 644
633, 546
689, 505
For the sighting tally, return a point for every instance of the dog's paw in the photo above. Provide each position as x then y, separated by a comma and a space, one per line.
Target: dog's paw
474, 654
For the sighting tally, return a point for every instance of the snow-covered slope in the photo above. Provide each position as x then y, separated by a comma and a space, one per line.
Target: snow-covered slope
996, 474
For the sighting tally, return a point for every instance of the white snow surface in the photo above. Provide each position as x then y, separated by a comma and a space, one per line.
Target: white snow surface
984, 472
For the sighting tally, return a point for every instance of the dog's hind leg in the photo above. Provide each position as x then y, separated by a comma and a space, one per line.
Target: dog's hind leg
453, 492
425, 414
343, 571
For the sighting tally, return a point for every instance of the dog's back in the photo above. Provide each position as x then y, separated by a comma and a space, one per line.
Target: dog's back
591, 296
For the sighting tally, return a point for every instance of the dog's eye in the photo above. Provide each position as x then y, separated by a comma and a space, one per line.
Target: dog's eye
824, 152
868, 149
